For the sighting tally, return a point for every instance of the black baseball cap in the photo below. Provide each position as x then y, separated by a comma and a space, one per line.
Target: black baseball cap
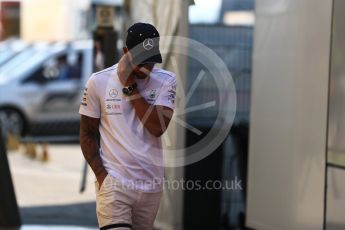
143, 43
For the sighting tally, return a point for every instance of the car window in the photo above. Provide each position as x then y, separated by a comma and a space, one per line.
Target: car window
36, 77
18, 60
61, 68
76, 65
25, 62
6, 55
68, 67
8, 50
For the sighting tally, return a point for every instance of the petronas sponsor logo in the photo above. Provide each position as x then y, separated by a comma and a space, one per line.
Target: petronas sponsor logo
152, 94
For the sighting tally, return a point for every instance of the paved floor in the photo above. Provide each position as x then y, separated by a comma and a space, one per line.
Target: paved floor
48, 193
38, 227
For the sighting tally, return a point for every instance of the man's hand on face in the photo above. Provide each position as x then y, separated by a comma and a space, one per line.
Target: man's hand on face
125, 69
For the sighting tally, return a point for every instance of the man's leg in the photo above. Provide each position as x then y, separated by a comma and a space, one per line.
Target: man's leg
145, 210
113, 205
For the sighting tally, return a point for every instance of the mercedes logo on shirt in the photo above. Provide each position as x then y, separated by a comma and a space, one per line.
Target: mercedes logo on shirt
113, 93
148, 43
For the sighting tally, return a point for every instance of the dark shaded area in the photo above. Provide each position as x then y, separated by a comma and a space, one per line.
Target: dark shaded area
9, 215
106, 36
202, 208
55, 128
80, 214
233, 44
240, 135
334, 226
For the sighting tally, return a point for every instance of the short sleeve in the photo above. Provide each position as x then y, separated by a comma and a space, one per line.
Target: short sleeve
167, 94
90, 104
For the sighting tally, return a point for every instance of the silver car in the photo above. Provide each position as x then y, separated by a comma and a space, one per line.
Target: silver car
10, 48
41, 88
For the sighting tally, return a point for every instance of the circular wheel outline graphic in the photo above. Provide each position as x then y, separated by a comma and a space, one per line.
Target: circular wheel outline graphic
225, 117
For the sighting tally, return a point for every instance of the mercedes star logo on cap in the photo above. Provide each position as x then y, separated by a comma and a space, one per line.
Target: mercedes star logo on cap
148, 44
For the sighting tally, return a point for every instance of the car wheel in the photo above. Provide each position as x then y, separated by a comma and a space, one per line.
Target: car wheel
11, 122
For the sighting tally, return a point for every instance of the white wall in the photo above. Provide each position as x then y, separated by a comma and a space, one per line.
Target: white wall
53, 20
289, 114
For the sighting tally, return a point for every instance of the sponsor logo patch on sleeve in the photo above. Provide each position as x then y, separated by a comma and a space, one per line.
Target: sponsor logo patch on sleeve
84, 99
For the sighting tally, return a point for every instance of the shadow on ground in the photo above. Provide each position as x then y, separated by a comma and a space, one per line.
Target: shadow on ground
80, 214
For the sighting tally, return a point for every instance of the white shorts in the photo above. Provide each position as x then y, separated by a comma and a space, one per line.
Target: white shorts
121, 208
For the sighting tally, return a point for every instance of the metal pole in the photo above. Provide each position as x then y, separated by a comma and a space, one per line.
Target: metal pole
9, 213
84, 178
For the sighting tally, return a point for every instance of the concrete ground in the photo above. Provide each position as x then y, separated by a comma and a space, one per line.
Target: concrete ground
48, 192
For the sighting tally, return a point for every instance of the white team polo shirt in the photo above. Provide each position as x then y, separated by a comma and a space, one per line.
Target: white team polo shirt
128, 151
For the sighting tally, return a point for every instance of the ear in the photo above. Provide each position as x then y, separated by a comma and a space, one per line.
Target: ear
125, 50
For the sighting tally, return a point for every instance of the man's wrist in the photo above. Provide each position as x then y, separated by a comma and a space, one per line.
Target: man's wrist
128, 90
135, 92
134, 95
130, 82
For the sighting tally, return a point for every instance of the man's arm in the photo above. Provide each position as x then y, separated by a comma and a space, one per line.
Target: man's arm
155, 118
89, 142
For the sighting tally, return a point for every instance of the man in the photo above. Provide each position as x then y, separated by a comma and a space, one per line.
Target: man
124, 111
